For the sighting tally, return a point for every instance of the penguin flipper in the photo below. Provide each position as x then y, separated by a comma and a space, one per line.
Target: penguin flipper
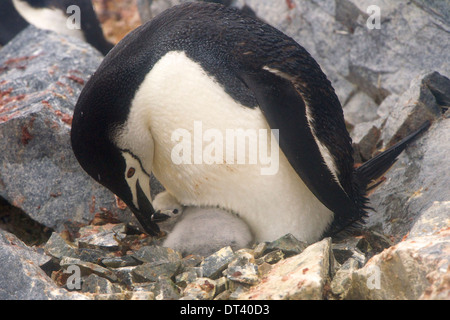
285, 110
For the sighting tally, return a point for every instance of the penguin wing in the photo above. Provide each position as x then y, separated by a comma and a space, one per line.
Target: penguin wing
286, 109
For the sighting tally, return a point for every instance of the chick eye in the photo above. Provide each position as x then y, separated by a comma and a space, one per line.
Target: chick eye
131, 172
175, 211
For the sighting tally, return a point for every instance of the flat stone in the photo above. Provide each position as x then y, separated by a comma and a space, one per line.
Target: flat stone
299, 277
105, 237
200, 289
120, 262
288, 244
342, 279
87, 268
214, 264
243, 269
413, 269
22, 278
152, 271
99, 285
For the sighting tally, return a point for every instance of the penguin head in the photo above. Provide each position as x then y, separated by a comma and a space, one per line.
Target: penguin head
107, 146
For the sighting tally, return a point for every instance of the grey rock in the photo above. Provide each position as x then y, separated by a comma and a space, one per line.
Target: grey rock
401, 115
243, 269
214, 264
271, 258
342, 279
156, 254
120, 262
22, 278
106, 237
151, 272
41, 76
432, 220
418, 179
288, 244
413, 269
57, 247
200, 289
99, 285
166, 290
360, 108
348, 249
414, 107
158, 262
188, 276
299, 277
88, 268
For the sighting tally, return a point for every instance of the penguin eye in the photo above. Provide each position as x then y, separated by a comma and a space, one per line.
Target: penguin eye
175, 211
131, 172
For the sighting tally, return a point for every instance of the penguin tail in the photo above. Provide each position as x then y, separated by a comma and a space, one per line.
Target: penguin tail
365, 179
374, 168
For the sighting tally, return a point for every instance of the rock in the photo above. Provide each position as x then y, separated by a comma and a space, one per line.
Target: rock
401, 115
87, 268
57, 247
432, 221
360, 108
214, 264
99, 285
413, 269
157, 261
414, 107
166, 289
200, 289
102, 237
288, 244
22, 278
417, 180
271, 258
152, 271
190, 275
342, 279
243, 269
120, 262
41, 76
300, 277
156, 254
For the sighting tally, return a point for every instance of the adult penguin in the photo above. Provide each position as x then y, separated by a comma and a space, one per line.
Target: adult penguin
202, 67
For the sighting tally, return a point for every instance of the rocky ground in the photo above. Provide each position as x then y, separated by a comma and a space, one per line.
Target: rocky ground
63, 236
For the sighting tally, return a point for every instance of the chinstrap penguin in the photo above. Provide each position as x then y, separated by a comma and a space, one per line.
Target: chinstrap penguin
205, 63
16, 15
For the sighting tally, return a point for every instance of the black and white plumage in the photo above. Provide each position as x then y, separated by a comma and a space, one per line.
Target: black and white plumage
16, 15
207, 63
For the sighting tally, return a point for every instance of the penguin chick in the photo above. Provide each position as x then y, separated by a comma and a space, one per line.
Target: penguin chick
168, 210
205, 230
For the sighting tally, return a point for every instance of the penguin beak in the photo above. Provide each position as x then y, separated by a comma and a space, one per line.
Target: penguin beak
145, 212
159, 217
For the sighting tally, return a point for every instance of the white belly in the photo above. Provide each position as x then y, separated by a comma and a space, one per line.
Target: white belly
178, 94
